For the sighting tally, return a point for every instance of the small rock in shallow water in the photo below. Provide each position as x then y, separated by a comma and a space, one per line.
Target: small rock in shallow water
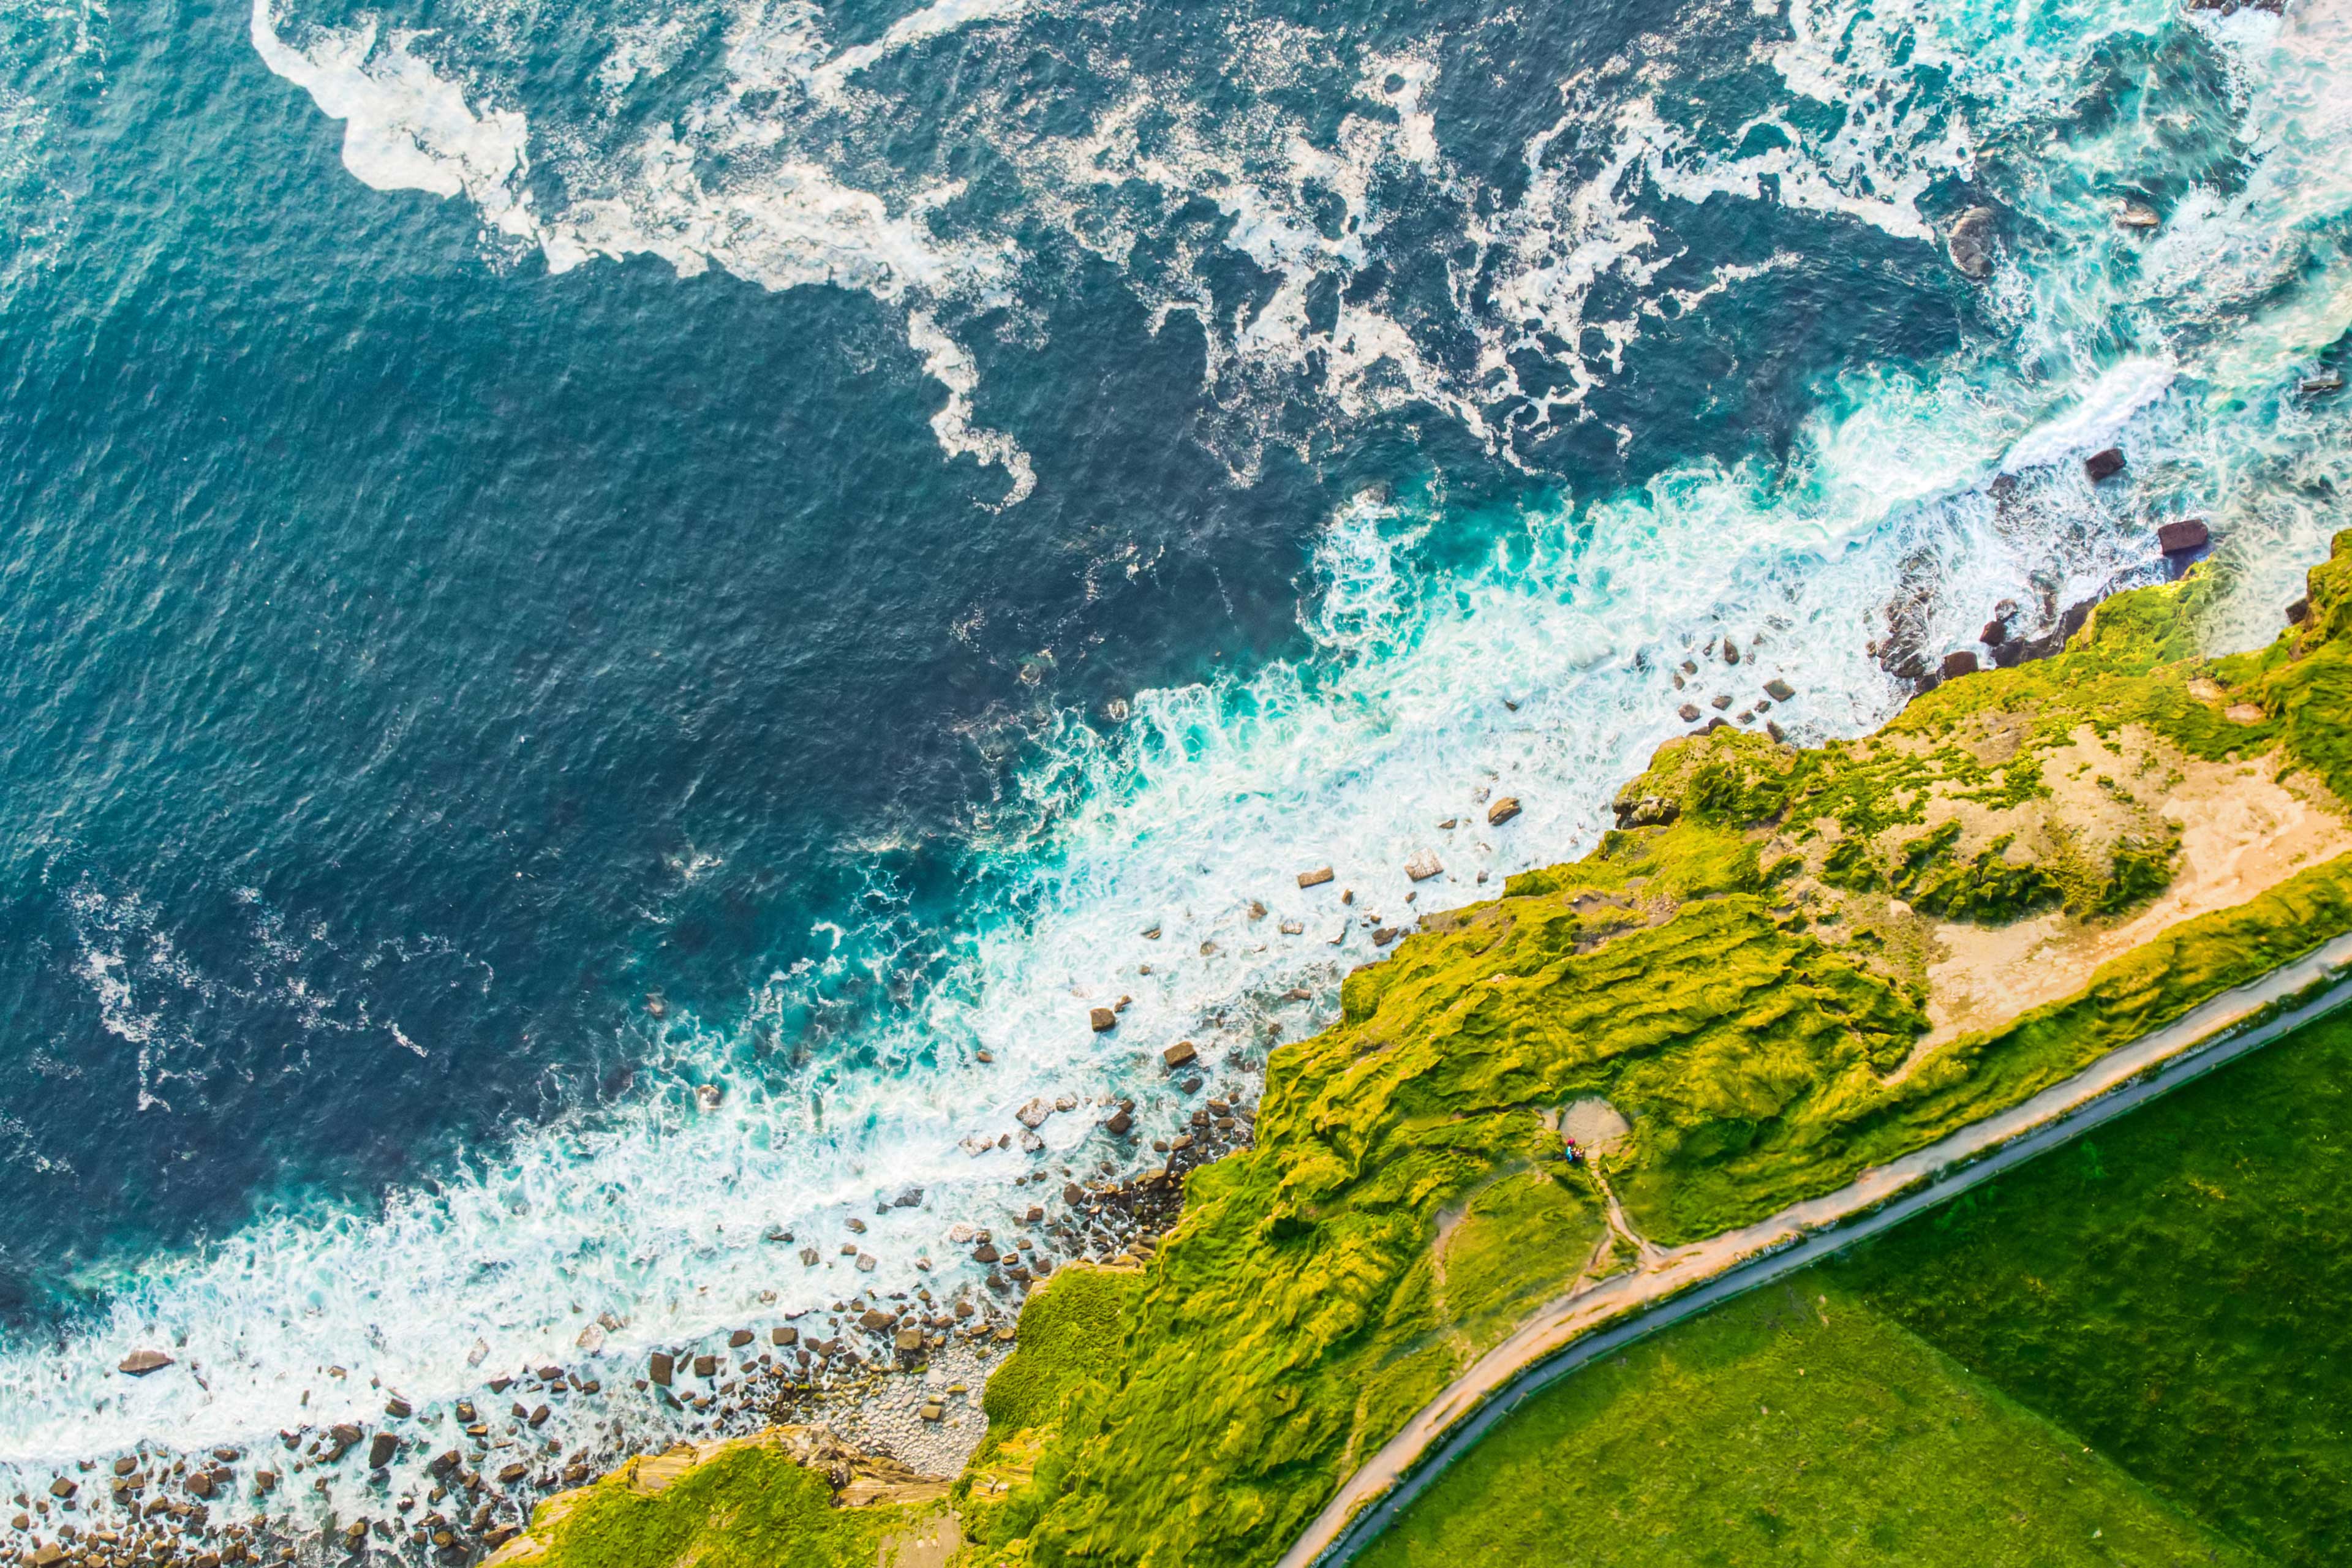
1033, 1114
1970, 241
139, 1363
1779, 689
1689, 712
1424, 865
2138, 215
2177, 537
1176, 1055
2321, 385
1314, 878
1102, 1018
1502, 811
2103, 466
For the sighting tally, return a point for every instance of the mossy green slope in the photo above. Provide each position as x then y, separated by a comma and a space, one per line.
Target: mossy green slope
755, 1505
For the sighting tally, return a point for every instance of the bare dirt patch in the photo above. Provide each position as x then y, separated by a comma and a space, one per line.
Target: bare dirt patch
2242, 831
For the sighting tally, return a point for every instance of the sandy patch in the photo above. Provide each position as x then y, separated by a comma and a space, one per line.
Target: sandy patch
2242, 832
1594, 1123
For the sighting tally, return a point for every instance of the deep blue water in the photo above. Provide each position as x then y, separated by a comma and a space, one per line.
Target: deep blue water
477, 664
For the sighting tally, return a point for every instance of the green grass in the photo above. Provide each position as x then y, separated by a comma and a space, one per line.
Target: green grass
2142, 1334
1795, 1426
2174, 1288
751, 1507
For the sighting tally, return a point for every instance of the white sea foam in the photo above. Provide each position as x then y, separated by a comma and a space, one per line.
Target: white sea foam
406, 127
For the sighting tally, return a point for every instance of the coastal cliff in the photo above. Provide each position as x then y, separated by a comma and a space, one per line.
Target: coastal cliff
1784, 968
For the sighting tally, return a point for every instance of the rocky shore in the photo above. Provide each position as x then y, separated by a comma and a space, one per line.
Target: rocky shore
891, 1376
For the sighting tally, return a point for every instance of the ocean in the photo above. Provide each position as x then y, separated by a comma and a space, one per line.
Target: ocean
621, 616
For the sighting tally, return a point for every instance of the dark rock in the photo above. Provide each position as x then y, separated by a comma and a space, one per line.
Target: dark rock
785, 1335
1970, 243
706, 1366
550, 1374
125, 1465
1689, 711
1995, 633
446, 1462
1719, 703
1502, 811
2104, 464
984, 1252
908, 1342
857, 1226
537, 1417
2323, 383
1383, 935
2178, 538
1102, 1018
874, 1320
380, 1449
2298, 612
1778, 690
2138, 215
507, 1476
1956, 664
139, 1363
1650, 810
1730, 651
738, 1339
809, 1257
1119, 1123
907, 1198
62, 1488
501, 1385
1176, 1055
661, 1368
398, 1408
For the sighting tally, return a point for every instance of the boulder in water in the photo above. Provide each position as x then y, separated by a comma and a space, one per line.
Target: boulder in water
1970, 243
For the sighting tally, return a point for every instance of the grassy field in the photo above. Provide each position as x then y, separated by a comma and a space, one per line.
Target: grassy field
2142, 1335
2173, 1288
1794, 1426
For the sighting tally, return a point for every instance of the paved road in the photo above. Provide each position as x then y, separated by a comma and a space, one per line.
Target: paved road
1691, 1279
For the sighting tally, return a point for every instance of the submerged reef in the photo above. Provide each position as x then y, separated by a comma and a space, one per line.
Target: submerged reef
1784, 967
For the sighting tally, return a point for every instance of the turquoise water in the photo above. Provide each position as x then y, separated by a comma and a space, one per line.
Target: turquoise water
561, 553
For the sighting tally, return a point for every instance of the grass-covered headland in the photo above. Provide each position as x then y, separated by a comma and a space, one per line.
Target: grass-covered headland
1785, 967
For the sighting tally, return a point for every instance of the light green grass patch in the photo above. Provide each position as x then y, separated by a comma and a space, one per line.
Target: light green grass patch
1795, 1426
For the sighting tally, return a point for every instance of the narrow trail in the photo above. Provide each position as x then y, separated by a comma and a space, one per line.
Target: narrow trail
1647, 1253
1670, 1284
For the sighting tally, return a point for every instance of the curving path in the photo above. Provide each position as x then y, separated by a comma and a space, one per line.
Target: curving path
1673, 1284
